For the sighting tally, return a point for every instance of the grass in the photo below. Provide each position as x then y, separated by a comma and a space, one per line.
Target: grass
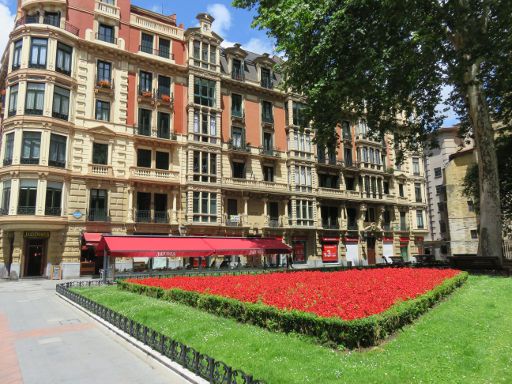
465, 339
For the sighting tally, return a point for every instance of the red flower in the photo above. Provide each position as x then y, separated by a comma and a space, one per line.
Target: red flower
348, 294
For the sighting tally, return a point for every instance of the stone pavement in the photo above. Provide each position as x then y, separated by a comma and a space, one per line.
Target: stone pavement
46, 340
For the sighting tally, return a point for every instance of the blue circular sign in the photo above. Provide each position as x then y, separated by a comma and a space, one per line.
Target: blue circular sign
77, 214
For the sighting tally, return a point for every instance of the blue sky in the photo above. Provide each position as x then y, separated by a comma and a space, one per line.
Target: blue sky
233, 24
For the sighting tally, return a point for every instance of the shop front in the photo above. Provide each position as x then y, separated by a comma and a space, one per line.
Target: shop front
330, 250
352, 251
35, 253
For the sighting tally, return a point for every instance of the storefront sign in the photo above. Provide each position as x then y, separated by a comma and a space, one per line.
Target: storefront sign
330, 239
36, 235
330, 253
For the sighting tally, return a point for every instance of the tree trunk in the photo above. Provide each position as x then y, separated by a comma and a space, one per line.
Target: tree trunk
490, 243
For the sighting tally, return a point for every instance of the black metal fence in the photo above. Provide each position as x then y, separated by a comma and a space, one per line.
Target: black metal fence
202, 365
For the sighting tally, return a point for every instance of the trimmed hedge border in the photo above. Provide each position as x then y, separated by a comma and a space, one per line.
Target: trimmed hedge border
334, 332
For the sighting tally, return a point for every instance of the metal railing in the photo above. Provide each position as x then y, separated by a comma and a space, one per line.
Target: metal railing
57, 163
207, 367
330, 223
52, 211
98, 215
106, 38
267, 83
29, 160
26, 210
238, 75
143, 216
37, 20
164, 53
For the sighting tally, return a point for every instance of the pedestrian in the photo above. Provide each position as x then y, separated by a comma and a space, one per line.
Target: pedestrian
289, 262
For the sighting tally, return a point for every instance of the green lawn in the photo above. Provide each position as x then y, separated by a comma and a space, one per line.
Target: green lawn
465, 339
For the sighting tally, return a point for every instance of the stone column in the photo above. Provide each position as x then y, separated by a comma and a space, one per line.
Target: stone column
129, 218
174, 214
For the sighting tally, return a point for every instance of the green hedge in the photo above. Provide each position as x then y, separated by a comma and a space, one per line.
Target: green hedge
331, 331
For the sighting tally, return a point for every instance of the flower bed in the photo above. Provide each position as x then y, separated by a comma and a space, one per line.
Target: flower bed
351, 308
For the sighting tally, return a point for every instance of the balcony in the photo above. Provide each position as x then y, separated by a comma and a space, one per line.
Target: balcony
29, 160
239, 147
105, 86
165, 99
26, 210
149, 216
47, 21
108, 10
106, 38
274, 222
33, 112
331, 223
98, 214
57, 163
143, 216
238, 74
157, 27
60, 116
160, 217
146, 96
151, 174
101, 170
259, 185
329, 161
355, 195
53, 211
269, 152
334, 193
368, 165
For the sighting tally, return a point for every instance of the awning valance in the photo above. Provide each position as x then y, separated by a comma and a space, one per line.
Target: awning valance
92, 239
153, 246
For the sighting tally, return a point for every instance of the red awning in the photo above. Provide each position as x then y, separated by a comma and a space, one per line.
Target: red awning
92, 239
246, 246
147, 246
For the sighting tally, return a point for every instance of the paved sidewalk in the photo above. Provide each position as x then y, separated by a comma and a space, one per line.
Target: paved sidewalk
46, 340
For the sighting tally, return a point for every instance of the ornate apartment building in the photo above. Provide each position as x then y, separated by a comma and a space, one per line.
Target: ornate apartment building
118, 120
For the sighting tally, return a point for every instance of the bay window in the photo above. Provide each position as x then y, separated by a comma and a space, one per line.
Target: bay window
204, 207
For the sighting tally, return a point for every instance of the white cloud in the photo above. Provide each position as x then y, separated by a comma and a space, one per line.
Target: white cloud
222, 16
258, 45
157, 8
7, 23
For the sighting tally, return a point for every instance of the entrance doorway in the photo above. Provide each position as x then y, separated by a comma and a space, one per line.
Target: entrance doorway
371, 250
35, 257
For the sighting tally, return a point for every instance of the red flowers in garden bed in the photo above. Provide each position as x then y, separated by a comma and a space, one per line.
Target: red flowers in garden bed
348, 294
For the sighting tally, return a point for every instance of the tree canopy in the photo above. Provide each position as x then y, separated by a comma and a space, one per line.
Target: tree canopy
389, 60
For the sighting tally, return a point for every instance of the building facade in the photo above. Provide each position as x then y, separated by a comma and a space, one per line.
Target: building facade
436, 161
118, 120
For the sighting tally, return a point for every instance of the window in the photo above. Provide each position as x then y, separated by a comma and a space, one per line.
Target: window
303, 142
350, 183
204, 92
328, 181
266, 112
9, 148
440, 206
401, 190
205, 126
104, 72
162, 160
144, 127
268, 142
146, 43
385, 186
236, 105
145, 82
303, 178
100, 153
6, 197
205, 207
365, 154
442, 226
164, 86
347, 153
60, 103
238, 137
268, 173
106, 33
13, 100
417, 192
329, 217
57, 155
143, 207
38, 51
437, 172
439, 189
144, 158
27, 197
53, 199
102, 110
299, 117
237, 71
164, 48
16, 55
197, 51
164, 125
304, 209
161, 208
63, 60
238, 170
471, 206
98, 205
31, 147
416, 166
266, 79
345, 127
474, 234
362, 129
403, 222
34, 101
204, 55
205, 167
52, 18
419, 219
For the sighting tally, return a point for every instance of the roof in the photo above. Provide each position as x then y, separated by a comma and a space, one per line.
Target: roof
250, 60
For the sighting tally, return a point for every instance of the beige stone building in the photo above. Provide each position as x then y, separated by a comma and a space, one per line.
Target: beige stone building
118, 120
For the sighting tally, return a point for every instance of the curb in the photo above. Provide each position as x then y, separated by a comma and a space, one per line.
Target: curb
163, 360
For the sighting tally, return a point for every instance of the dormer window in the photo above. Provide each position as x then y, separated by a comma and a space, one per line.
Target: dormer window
237, 71
205, 55
52, 18
266, 78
